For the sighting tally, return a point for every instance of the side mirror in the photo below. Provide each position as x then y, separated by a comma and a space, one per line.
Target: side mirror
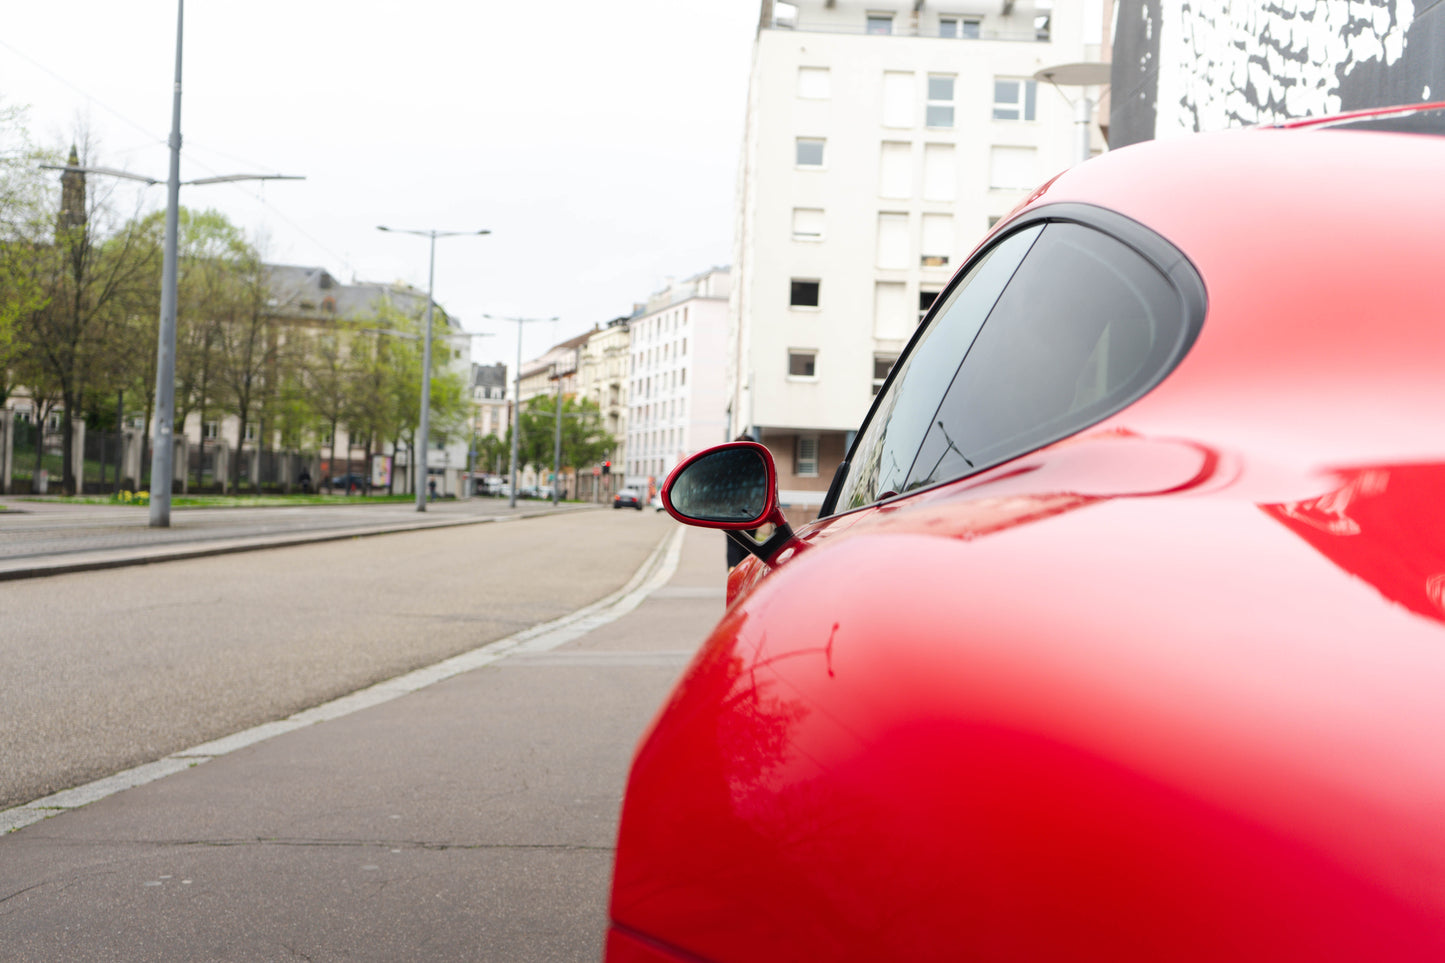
732, 487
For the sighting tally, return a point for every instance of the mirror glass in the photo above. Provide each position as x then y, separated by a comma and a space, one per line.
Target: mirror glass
728, 485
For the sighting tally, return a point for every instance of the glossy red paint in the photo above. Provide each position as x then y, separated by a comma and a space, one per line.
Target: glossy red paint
1168, 689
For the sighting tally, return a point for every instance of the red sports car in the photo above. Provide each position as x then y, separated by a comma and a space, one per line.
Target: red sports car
1120, 635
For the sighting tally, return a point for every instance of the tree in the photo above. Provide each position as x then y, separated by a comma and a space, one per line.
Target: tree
584, 442
94, 282
211, 254
23, 225
248, 348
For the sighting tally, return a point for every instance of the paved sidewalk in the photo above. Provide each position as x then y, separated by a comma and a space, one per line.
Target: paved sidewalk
48, 538
471, 819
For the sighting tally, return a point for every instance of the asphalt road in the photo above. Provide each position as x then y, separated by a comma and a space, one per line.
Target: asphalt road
109, 669
471, 819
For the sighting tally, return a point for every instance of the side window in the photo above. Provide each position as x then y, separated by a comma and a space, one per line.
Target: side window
1083, 329
886, 449
1057, 327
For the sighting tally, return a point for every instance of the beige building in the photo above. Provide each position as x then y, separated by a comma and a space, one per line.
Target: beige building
602, 377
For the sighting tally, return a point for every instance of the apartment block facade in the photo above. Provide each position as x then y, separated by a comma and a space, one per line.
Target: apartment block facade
883, 139
677, 390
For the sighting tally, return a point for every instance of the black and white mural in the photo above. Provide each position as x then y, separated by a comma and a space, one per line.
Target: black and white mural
1193, 65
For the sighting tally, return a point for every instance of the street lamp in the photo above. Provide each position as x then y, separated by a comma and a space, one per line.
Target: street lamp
426, 354
162, 446
1084, 75
517, 399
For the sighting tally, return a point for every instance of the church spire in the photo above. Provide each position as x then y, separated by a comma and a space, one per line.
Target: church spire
72, 199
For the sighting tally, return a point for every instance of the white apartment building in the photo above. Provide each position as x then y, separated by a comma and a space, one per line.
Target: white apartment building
677, 394
883, 139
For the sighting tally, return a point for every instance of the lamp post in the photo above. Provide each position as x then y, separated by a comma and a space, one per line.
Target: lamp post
517, 399
424, 438
163, 446
1084, 75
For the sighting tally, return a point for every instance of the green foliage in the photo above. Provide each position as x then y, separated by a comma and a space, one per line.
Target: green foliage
584, 442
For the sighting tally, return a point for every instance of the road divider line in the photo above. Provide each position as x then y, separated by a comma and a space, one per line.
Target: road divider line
651, 575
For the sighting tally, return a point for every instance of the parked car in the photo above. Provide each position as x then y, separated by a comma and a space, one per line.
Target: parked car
656, 502
1121, 634
352, 481
627, 498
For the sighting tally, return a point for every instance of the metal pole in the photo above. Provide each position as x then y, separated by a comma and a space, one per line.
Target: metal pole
1083, 116
163, 451
557, 445
516, 414
423, 476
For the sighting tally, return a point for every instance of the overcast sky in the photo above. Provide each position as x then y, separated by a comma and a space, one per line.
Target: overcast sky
597, 140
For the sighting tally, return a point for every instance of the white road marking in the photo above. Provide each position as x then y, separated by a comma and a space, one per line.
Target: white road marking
651, 575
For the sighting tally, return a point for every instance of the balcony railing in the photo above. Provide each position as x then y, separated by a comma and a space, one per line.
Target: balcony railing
1041, 34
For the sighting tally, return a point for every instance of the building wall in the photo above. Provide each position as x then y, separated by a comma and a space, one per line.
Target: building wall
677, 390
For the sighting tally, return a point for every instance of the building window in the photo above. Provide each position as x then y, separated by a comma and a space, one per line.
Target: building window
962, 28
882, 364
810, 151
895, 169
898, 99
250, 433
892, 240
802, 364
940, 177
1014, 99
813, 83
926, 297
807, 224
937, 240
805, 458
804, 294
211, 430
891, 318
939, 112
880, 24
1013, 168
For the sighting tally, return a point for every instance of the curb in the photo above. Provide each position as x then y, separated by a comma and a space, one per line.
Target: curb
146, 555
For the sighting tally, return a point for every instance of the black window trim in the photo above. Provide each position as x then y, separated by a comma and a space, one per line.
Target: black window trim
1171, 262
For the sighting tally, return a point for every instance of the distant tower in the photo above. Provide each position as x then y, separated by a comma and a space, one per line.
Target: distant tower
72, 200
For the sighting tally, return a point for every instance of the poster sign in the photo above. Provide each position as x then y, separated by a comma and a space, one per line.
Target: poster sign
380, 471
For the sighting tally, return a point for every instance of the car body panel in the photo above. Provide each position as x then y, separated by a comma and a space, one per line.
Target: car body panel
1168, 688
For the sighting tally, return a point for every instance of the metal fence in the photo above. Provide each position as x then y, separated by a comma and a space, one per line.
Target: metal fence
101, 463
38, 459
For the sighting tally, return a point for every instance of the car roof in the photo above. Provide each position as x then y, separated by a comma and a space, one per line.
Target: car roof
1317, 245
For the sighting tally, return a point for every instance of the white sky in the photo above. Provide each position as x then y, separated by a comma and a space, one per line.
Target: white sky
597, 140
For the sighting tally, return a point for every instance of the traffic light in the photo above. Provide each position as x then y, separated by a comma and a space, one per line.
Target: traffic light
607, 468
